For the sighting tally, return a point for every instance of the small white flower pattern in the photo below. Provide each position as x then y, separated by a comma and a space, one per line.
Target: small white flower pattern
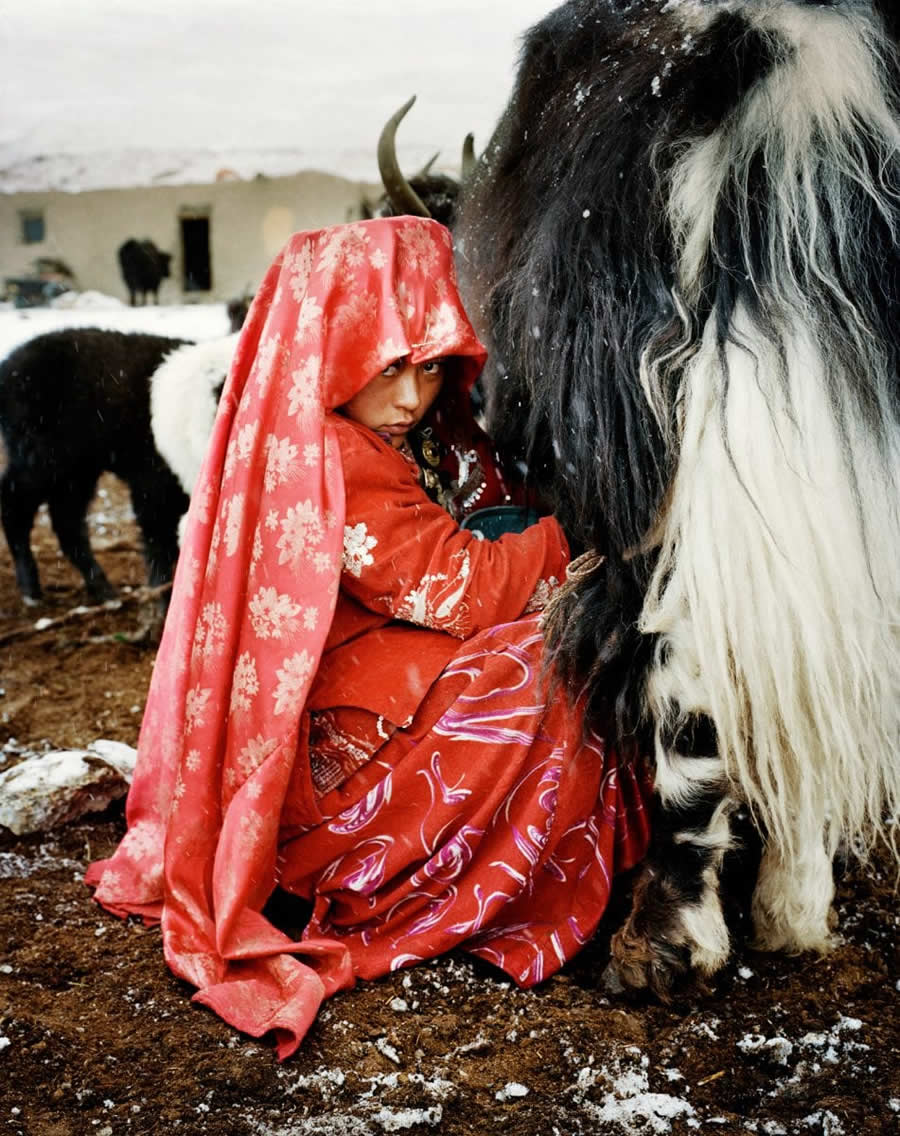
273, 615
240, 447
301, 531
358, 545
292, 682
235, 518
281, 458
246, 683
196, 705
304, 396
298, 267
212, 627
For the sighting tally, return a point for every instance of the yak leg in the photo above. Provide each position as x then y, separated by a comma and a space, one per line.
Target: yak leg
19, 502
158, 501
677, 925
792, 901
68, 512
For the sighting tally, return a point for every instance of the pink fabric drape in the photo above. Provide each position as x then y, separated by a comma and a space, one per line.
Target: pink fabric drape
219, 737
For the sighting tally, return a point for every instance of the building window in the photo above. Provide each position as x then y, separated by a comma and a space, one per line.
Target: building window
32, 226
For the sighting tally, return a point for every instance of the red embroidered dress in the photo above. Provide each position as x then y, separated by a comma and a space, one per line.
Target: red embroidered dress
346, 700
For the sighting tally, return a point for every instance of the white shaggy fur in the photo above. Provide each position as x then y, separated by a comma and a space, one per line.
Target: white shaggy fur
777, 591
183, 403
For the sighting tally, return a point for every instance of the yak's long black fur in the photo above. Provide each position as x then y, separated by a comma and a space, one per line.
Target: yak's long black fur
568, 264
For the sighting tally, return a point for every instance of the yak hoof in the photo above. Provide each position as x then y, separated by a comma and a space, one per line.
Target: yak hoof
649, 964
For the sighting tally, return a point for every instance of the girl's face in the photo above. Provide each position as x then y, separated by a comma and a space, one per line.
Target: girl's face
395, 401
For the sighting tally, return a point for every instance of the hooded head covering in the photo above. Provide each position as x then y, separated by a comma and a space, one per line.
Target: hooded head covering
251, 607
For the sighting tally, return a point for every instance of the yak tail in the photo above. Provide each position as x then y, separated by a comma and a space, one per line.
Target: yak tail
776, 595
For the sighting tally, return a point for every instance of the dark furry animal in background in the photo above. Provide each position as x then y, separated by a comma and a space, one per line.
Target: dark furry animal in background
237, 309
73, 404
144, 267
682, 247
425, 194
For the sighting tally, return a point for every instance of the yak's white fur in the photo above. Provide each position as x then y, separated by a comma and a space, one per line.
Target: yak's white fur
792, 901
702, 925
777, 591
183, 403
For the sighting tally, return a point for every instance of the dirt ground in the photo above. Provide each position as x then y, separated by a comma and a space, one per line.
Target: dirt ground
96, 1037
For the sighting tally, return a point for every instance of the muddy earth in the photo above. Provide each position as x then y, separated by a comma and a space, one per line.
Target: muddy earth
97, 1037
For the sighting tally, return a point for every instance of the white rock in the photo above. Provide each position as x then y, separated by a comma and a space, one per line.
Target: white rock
52, 788
510, 1091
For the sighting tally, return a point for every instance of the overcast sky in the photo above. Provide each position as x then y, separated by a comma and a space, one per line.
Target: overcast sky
316, 76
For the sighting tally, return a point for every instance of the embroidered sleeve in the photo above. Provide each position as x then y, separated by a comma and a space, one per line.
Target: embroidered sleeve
404, 556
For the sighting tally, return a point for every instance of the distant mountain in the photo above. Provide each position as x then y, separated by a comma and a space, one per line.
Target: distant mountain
111, 169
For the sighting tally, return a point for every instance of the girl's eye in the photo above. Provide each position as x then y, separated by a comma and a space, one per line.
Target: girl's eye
433, 367
392, 368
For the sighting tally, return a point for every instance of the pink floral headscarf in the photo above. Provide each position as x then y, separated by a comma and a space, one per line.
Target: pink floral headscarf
251, 607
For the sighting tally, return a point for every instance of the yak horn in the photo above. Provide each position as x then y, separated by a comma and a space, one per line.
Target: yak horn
400, 193
426, 169
468, 157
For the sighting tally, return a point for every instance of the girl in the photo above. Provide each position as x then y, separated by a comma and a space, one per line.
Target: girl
346, 701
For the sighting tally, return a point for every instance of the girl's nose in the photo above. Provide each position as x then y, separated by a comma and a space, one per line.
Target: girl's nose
406, 394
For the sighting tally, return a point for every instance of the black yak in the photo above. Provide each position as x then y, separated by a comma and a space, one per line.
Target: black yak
144, 267
683, 248
81, 401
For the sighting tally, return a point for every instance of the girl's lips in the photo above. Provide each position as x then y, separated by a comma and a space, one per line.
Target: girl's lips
396, 429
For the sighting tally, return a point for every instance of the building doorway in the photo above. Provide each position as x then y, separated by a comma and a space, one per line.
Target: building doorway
195, 257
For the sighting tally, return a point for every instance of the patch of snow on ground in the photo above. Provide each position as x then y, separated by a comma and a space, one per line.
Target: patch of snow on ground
181, 321
41, 859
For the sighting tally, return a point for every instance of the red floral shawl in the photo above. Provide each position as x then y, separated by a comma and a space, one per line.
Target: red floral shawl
265, 535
